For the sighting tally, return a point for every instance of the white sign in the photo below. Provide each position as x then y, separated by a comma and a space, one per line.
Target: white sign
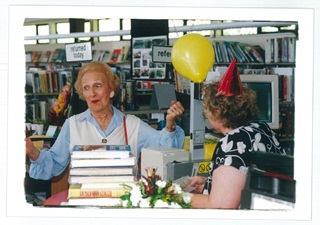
161, 53
78, 52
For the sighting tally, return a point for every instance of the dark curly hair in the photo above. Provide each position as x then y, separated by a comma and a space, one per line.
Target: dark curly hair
231, 111
99, 67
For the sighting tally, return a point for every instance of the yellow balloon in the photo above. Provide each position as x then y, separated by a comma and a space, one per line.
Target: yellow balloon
192, 57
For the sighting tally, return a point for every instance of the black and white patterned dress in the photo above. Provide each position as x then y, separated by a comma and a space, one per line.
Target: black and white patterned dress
236, 147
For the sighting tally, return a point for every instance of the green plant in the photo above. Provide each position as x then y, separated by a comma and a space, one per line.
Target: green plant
153, 192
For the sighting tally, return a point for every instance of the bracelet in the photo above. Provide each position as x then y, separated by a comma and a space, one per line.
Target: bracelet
173, 128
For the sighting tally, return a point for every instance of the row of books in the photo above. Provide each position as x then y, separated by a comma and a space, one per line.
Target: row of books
58, 55
286, 82
38, 110
122, 54
276, 50
286, 85
99, 173
226, 51
280, 50
47, 81
286, 128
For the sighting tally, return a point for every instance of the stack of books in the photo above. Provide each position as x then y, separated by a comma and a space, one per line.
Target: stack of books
98, 174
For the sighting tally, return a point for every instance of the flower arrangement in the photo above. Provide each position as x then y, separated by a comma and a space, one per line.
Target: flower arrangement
153, 192
58, 112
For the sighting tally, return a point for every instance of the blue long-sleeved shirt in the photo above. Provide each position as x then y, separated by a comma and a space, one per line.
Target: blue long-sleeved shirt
54, 161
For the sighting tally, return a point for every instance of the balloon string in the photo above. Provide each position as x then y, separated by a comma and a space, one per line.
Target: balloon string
175, 28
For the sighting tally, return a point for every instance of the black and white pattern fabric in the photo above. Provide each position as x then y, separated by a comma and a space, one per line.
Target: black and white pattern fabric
236, 147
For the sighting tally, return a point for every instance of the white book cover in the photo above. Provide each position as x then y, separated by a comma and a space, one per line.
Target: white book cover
104, 185
103, 162
100, 154
102, 171
100, 179
100, 151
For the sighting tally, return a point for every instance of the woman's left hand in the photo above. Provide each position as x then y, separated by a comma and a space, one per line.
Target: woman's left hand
176, 109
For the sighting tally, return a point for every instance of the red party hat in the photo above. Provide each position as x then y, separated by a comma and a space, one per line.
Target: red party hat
230, 84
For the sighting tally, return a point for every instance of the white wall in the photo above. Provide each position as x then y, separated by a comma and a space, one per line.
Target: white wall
13, 208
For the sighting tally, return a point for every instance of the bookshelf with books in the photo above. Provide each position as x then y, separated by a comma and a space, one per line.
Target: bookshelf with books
44, 88
256, 50
255, 55
272, 54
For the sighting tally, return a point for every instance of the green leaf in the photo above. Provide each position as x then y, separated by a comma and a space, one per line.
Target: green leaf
125, 197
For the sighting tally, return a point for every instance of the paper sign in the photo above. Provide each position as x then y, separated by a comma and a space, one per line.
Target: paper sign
161, 53
78, 52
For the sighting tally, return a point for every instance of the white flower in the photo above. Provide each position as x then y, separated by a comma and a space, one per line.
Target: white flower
241, 147
161, 184
186, 197
145, 203
144, 181
177, 188
136, 196
161, 204
175, 205
125, 203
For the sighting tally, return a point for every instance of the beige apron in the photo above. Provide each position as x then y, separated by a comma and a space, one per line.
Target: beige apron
85, 133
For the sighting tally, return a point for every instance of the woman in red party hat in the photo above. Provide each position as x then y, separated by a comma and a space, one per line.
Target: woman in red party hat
231, 109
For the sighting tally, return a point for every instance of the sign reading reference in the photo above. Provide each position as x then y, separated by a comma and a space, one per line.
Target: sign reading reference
161, 54
78, 52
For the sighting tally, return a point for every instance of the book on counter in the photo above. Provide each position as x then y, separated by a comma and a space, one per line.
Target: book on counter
101, 151
111, 162
77, 191
103, 185
102, 171
101, 179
